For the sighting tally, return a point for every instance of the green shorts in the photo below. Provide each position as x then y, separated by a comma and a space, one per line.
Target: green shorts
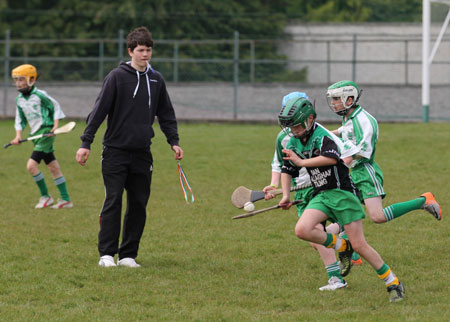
44, 144
368, 178
306, 196
341, 206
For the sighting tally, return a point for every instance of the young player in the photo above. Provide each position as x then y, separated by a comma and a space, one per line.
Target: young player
334, 196
36, 108
328, 256
133, 94
361, 128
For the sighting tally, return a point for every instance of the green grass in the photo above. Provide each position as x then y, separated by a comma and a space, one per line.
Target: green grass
198, 264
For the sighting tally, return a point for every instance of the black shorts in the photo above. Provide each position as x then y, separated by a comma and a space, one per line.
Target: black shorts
38, 156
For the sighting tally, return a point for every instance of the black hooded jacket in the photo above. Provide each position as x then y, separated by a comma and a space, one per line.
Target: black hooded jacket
131, 100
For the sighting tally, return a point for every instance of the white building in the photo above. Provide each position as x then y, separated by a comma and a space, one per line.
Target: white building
369, 53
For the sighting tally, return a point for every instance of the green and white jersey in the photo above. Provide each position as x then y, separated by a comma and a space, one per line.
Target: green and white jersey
320, 143
277, 161
361, 129
346, 149
38, 109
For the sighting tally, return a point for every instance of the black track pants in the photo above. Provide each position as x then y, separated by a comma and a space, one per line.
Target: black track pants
132, 171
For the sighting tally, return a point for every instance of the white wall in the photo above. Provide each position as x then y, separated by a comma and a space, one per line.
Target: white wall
381, 52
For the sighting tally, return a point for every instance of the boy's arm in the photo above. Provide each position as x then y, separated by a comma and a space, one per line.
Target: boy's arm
55, 125
20, 120
18, 137
318, 161
286, 188
166, 116
104, 103
277, 163
365, 135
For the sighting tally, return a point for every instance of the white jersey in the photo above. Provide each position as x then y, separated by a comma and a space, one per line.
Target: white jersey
347, 149
361, 129
37, 109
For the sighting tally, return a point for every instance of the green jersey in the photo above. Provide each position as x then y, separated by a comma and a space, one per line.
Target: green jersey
320, 143
346, 149
38, 109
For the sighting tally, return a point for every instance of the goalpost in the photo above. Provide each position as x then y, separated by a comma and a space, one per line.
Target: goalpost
427, 56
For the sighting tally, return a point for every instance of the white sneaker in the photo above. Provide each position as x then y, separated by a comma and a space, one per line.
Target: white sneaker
128, 262
44, 202
106, 261
63, 204
334, 283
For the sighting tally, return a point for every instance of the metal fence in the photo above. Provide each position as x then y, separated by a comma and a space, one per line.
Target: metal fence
235, 64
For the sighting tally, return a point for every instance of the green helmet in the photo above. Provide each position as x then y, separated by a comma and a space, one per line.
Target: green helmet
343, 90
297, 112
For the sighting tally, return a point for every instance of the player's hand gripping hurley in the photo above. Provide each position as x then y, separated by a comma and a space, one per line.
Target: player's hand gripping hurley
242, 195
60, 130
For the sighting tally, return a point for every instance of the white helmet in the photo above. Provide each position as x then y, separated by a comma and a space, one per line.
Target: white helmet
343, 90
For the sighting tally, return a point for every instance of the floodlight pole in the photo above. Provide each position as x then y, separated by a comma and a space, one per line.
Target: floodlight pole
425, 61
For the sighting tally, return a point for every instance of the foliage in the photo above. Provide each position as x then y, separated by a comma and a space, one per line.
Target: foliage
196, 19
181, 20
198, 264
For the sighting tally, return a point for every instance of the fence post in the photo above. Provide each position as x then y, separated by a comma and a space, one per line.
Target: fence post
354, 58
175, 60
235, 73
406, 62
6, 72
252, 61
328, 63
120, 46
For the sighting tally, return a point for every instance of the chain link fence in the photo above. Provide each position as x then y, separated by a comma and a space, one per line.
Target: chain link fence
239, 79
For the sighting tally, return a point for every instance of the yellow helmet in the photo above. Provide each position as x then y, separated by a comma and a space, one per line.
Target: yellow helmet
26, 71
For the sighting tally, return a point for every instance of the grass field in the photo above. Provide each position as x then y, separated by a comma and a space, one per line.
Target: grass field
198, 264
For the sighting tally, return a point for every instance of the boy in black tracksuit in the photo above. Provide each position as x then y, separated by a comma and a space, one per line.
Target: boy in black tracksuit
131, 96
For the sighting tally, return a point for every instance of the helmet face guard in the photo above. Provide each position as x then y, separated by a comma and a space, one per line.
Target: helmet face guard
343, 90
28, 71
297, 111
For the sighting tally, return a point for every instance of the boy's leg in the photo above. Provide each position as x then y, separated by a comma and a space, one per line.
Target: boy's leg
32, 166
356, 258
138, 192
38, 177
369, 181
425, 201
308, 227
115, 163
354, 231
59, 179
328, 256
356, 237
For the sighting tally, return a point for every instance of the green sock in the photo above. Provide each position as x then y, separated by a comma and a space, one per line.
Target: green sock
399, 209
61, 184
39, 179
333, 270
355, 256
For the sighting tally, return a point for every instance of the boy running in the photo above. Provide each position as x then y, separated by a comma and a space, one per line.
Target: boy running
328, 256
36, 108
361, 128
334, 197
